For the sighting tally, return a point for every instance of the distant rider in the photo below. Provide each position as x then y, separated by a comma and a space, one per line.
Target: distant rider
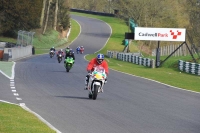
67, 50
60, 52
53, 49
98, 61
71, 51
82, 49
78, 49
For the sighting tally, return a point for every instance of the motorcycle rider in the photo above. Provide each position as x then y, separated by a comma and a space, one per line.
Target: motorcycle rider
60, 52
67, 50
82, 49
98, 61
78, 49
71, 51
69, 54
52, 48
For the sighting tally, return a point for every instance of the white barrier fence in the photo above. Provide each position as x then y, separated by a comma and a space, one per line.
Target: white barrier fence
189, 67
132, 57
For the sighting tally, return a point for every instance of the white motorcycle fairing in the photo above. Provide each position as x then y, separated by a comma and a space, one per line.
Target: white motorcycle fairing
96, 82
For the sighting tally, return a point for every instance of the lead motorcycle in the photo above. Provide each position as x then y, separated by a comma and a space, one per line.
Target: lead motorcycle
96, 82
68, 63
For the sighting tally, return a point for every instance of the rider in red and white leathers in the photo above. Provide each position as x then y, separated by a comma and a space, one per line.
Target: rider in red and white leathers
98, 61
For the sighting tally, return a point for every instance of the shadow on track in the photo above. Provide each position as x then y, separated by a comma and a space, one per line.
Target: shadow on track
73, 97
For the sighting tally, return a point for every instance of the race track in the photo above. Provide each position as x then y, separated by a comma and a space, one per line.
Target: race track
128, 105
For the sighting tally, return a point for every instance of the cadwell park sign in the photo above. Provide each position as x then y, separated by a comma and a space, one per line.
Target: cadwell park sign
160, 34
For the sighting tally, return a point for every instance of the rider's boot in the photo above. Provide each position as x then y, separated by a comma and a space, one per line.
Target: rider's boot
86, 82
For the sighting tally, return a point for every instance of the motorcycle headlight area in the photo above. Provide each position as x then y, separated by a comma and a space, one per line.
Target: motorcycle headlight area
98, 76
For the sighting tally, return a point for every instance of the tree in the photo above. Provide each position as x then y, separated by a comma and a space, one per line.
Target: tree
55, 15
64, 14
19, 15
47, 16
42, 13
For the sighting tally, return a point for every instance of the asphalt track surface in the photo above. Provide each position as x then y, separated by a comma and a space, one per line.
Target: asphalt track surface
128, 105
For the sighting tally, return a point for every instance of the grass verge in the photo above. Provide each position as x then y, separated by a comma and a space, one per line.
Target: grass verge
6, 67
14, 119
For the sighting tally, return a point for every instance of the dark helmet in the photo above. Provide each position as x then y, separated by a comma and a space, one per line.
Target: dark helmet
70, 52
67, 50
100, 58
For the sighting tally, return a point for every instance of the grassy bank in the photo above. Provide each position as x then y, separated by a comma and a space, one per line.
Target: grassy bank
43, 43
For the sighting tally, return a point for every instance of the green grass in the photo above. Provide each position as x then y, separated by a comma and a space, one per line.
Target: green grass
14, 119
47, 40
6, 39
43, 43
6, 67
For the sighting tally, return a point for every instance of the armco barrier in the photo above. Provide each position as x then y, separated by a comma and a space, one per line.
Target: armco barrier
189, 67
130, 57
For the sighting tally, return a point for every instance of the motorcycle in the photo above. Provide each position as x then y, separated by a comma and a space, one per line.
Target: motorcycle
81, 50
96, 82
51, 53
69, 63
59, 57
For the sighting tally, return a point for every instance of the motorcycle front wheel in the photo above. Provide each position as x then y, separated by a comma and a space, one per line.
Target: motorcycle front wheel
95, 92
59, 59
68, 67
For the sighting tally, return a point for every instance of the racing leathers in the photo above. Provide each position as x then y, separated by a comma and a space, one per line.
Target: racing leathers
90, 67
70, 54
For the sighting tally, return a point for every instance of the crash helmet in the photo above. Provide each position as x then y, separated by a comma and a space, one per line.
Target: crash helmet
67, 50
100, 58
81, 46
70, 52
61, 50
